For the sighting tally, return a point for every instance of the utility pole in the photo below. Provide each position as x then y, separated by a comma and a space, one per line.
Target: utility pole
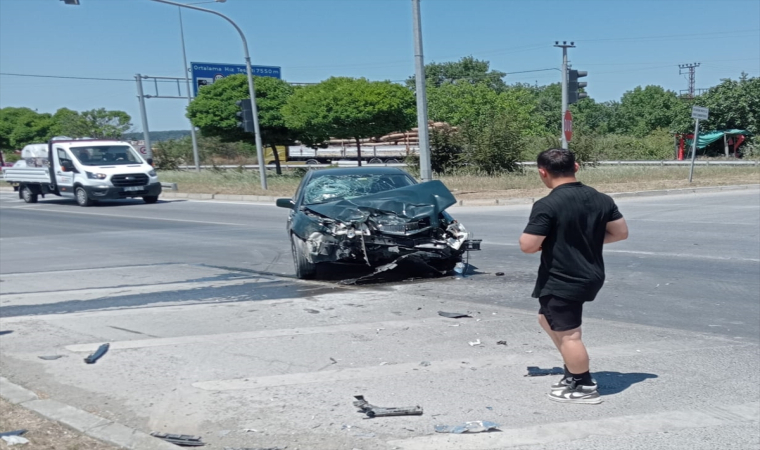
692, 72
422, 112
144, 115
564, 45
196, 157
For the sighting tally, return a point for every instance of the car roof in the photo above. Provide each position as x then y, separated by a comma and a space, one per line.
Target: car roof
359, 171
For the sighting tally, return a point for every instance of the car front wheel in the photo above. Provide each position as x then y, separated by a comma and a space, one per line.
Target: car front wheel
305, 269
82, 198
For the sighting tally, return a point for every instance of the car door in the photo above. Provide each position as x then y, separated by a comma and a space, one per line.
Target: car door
64, 178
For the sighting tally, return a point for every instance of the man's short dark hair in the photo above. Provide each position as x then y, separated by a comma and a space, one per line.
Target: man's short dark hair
557, 161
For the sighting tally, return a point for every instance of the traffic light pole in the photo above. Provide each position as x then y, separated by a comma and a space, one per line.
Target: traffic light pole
564, 46
251, 90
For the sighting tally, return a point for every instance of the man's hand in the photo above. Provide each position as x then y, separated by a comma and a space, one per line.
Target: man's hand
617, 230
531, 243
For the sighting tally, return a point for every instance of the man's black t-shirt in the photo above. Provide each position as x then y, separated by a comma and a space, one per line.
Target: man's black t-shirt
573, 217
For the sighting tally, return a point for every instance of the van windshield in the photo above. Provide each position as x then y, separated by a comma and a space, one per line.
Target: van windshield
106, 155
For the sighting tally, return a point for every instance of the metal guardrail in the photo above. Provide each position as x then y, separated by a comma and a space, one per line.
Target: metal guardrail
525, 163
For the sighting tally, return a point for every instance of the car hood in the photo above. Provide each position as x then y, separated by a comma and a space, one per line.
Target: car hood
413, 202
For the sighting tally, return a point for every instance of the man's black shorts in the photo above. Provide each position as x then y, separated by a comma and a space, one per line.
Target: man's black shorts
562, 315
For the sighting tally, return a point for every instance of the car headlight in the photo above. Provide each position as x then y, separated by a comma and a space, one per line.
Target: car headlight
152, 173
96, 176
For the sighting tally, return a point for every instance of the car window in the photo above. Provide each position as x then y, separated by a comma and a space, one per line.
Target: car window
331, 188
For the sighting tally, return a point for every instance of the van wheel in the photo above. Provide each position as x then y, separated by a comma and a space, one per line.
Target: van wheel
28, 195
150, 199
305, 270
82, 198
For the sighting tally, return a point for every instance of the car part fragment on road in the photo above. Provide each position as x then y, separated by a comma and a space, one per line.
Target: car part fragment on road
50, 357
15, 440
534, 371
501, 343
468, 427
452, 315
183, 440
380, 411
255, 448
499, 274
475, 342
97, 354
13, 433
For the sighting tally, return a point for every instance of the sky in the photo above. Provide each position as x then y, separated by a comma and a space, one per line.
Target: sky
621, 43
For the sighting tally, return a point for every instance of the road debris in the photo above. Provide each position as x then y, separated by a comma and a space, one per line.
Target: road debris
311, 311
475, 342
425, 363
97, 354
534, 371
451, 315
380, 411
13, 433
468, 427
255, 448
15, 440
50, 357
499, 274
183, 440
501, 343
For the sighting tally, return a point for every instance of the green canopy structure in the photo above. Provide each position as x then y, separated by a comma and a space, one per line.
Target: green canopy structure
709, 137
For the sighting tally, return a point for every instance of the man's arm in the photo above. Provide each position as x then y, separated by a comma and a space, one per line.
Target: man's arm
531, 243
617, 230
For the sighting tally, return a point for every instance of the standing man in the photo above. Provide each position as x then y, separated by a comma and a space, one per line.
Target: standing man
569, 227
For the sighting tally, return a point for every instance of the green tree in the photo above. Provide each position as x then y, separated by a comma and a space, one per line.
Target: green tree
494, 146
22, 126
215, 109
733, 104
350, 108
96, 123
467, 70
644, 110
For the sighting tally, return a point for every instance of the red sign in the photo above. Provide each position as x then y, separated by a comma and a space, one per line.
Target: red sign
568, 126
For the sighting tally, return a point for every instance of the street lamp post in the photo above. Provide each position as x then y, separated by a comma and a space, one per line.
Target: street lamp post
251, 90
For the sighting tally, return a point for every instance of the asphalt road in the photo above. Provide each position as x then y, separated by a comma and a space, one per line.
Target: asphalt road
211, 333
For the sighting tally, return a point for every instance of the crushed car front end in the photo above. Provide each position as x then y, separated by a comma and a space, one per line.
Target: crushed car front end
377, 229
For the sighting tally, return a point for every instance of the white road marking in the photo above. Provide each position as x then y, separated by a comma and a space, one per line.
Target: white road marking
661, 254
138, 217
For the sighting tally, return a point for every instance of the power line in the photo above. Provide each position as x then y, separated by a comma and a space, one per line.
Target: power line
73, 78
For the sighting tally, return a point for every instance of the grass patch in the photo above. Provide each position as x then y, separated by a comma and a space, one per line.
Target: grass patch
604, 178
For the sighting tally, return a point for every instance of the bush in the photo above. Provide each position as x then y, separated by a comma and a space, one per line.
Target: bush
494, 147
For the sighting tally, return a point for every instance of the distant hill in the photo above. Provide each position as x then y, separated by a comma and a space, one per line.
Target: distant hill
157, 136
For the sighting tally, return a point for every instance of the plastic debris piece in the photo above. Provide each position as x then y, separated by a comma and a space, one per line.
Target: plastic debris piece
499, 274
14, 432
475, 342
50, 357
183, 440
97, 354
254, 448
15, 440
451, 315
380, 411
468, 427
425, 363
534, 371
501, 343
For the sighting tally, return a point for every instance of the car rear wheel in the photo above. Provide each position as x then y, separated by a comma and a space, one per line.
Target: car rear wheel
82, 198
305, 270
28, 195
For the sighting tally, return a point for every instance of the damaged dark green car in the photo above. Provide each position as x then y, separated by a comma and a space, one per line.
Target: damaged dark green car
375, 216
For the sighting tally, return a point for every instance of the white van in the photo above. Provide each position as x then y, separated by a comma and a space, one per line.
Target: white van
85, 170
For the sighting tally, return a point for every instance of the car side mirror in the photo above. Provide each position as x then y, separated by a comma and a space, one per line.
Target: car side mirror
68, 166
285, 203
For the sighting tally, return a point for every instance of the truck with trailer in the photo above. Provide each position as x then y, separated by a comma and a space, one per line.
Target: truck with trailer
85, 170
372, 154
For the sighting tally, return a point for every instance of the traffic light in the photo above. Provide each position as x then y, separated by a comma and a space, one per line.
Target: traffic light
573, 85
245, 115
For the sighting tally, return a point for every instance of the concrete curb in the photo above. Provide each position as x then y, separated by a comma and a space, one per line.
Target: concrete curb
94, 426
473, 202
